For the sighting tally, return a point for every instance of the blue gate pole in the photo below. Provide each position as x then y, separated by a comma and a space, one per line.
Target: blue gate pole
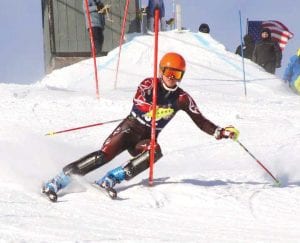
242, 52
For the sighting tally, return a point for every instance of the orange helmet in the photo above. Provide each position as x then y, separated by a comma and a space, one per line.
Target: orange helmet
172, 60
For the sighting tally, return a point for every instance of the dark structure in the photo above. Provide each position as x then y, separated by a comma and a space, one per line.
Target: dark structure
66, 39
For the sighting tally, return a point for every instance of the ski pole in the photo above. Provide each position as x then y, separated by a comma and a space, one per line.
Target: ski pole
274, 178
82, 127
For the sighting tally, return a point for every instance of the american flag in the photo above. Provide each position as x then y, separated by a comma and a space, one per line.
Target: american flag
279, 31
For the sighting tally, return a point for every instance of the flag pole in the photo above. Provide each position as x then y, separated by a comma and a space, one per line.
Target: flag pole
92, 46
242, 53
154, 100
121, 41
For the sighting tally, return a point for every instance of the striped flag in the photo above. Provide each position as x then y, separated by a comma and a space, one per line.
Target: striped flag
279, 31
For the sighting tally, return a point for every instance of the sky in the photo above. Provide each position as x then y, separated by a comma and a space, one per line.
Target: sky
205, 190
223, 19
21, 47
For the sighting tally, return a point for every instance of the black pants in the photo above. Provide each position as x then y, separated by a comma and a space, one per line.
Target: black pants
269, 67
98, 39
129, 135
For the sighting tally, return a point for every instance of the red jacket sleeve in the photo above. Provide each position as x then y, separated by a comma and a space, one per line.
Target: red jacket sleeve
139, 99
187, 104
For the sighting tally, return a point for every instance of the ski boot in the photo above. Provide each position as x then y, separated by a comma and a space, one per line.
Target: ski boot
51, 187
110, 180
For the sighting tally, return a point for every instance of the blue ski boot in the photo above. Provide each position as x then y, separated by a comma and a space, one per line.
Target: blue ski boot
51, 187
110, 180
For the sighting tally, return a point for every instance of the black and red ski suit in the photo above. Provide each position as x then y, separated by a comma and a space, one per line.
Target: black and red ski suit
134, 132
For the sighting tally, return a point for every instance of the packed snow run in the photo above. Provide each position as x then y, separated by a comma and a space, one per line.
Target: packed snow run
204, 190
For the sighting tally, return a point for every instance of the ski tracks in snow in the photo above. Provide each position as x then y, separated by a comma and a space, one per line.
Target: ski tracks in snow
192, 204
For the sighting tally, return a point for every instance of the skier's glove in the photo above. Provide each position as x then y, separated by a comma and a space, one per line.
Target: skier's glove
227, 132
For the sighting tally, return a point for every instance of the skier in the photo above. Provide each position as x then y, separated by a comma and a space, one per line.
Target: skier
134, 132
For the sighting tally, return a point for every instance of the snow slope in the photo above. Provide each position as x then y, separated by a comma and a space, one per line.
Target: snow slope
205, 190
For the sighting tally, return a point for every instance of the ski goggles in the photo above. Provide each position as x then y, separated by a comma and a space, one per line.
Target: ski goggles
172, 73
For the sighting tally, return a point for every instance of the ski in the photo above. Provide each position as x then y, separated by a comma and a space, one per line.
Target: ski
110, 192
52, 196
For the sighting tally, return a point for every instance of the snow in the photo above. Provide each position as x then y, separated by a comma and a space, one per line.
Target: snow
204, 190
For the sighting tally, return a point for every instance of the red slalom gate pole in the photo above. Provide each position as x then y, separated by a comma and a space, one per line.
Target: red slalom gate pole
154, 100
274, 178
121, 41
82, 127
92, 46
